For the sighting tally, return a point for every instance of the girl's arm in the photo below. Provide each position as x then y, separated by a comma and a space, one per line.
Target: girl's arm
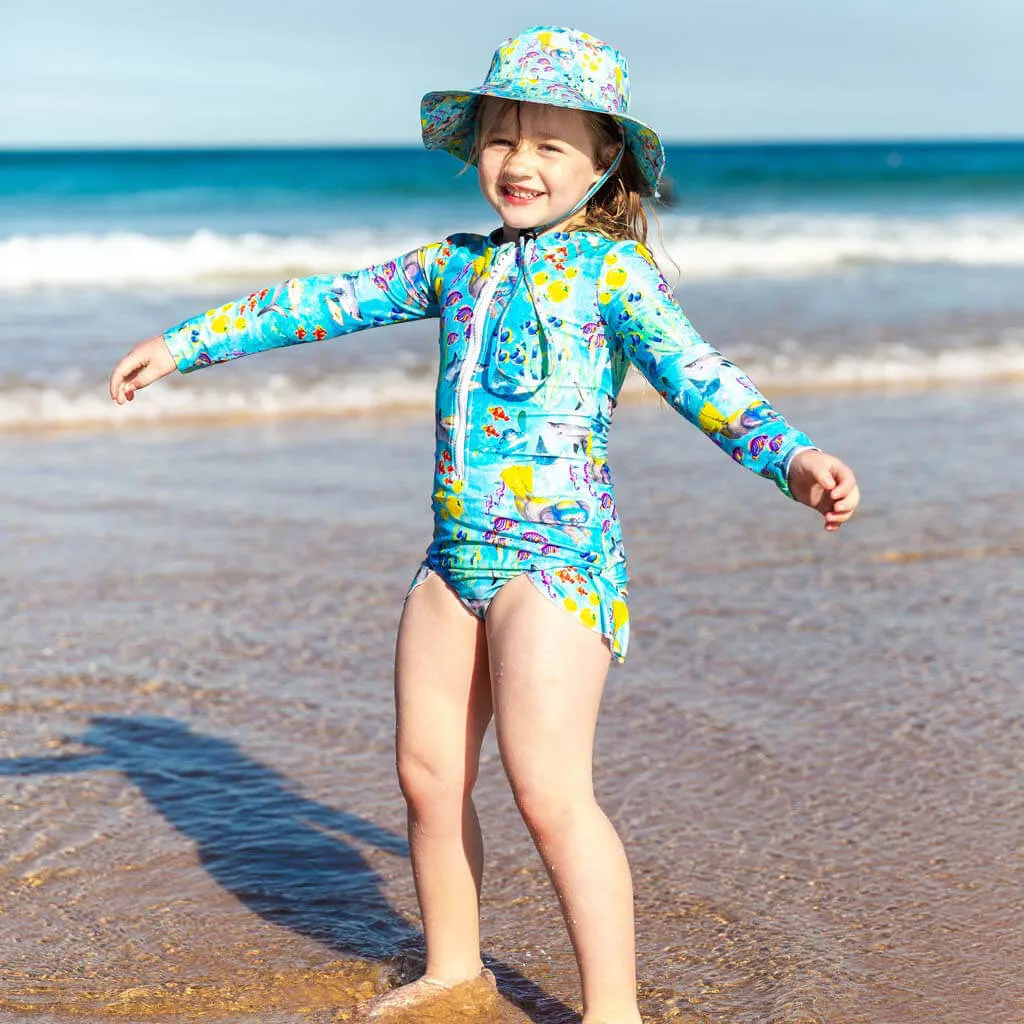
296, 311
644, 317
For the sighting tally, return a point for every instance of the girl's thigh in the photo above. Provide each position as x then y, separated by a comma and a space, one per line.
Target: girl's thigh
547, 675
442, 684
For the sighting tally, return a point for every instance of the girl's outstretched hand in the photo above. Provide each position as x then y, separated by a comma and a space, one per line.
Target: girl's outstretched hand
826, 484
148, 361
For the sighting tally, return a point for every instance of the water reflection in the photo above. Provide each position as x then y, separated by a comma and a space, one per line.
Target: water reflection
286, 857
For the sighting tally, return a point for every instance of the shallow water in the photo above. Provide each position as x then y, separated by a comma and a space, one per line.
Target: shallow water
821, 800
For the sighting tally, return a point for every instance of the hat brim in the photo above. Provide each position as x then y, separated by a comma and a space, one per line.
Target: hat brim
448, 122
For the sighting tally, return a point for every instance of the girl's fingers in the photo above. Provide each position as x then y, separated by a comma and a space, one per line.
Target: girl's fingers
838, 515
829, 486
845, 481
146, 362
842, 510
825, 479
125, 392
129, 375
847, 504
126, 368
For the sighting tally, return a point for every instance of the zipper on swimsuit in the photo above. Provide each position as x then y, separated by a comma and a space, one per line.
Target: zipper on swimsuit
478, 334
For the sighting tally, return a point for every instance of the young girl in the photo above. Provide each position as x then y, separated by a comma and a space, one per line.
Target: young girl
521, 600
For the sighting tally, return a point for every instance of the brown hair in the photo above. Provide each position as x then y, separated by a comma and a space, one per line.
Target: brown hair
617, 211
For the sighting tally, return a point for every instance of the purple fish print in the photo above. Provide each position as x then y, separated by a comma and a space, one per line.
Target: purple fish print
412, 270
586, 343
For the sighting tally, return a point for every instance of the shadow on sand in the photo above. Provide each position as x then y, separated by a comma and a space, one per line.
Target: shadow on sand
282, 855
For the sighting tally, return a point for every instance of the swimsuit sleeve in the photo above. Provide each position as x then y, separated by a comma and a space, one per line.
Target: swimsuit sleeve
310, 309
643, 316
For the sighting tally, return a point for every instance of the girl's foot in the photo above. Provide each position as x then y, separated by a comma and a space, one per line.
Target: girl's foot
423, 990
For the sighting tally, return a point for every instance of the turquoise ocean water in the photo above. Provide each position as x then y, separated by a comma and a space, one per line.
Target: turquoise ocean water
828, 264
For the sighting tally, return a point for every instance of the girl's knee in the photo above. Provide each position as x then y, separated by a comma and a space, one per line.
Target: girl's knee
546, 803
430, 782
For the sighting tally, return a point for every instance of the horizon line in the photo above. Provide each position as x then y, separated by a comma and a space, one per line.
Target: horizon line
748, 141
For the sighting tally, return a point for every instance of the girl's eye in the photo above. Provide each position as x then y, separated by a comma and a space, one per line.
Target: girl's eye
498, 142
551, 148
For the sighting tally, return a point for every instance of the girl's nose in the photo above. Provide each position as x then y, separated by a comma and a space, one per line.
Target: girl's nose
517, 163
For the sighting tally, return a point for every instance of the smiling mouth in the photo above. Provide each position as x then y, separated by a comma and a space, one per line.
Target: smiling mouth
522, 195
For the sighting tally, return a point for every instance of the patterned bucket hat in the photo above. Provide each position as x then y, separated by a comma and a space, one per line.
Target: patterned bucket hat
558, 66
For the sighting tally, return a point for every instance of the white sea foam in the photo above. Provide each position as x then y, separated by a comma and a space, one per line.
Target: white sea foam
25, 406
792, 245
203, 259
783, 245
28, 406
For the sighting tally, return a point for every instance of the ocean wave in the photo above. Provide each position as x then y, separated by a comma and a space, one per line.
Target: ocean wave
783, 245
797, 245
31, 406
28, 405
204, 259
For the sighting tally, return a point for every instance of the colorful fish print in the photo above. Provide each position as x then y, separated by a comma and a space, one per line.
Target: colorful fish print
521, 480
565, 512
444, 428
286, 299
737, 424
412, 269
757, 445
577, 434
594, 335
343, 294
454, 368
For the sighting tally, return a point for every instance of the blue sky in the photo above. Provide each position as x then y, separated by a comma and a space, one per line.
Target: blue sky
121, 72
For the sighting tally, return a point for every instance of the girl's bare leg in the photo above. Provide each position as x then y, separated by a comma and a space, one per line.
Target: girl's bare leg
547, 675
443, 704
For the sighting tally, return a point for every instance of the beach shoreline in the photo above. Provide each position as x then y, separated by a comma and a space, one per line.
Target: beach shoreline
809, 740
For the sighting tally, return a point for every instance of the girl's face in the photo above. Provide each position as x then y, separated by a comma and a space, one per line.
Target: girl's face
535, 163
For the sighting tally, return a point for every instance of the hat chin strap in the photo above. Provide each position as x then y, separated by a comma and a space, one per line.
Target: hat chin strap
587, 196
528, 235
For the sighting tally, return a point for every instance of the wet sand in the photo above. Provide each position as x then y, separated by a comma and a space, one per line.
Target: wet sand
821, 802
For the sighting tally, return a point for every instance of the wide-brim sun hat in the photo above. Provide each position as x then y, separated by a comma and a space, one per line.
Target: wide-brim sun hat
561, 67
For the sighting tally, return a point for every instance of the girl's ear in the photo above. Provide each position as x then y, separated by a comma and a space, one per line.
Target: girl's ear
606, 157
